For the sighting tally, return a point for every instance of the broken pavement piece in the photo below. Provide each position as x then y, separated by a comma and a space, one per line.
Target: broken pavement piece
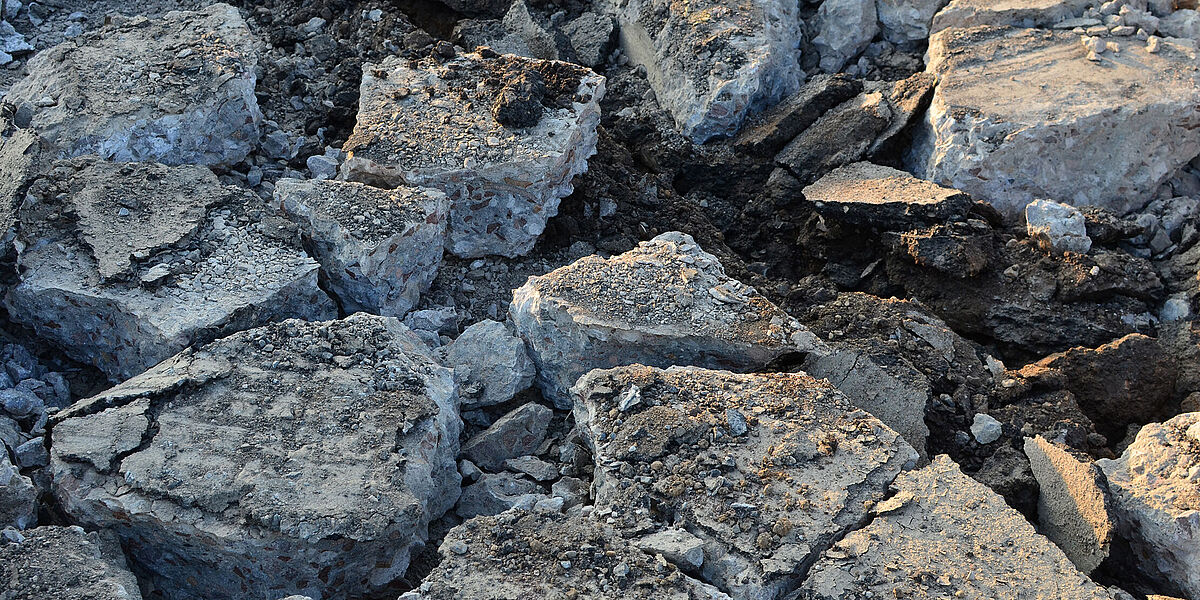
767, 133
871, 195
765, 502
1156, 498
299, 457
666, 302
1020, 114
712, 63
379, 249
66, 563
506, 184
1073, 505
178, 89
552, 556
1012, 13
943, 533
124, 265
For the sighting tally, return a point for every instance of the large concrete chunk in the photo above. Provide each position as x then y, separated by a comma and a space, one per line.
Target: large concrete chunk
1073, 507
18, 497
1037, 13
870, 195
769, 132
299, 457
1020, 114
548, 555
765, 469
1157, 501
124, 265
944, 535
65, 563
490, 364
907, 20
712, 63
177, 90
505, 171
379, 249
845, 29
666, 302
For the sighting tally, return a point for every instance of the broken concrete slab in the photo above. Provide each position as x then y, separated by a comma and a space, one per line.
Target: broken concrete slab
871, 195
943, 534
490, 363
426, 124
1020, 114
18, 496
549, 555
517, 433
1157, 501
1010, 13
123, 265
1073, 505
66, 562
379, 249
666, 302
713, 63
178, 89
766, 469
767, 133
300, 457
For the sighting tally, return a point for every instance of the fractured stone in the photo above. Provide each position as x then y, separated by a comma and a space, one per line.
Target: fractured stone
66, 563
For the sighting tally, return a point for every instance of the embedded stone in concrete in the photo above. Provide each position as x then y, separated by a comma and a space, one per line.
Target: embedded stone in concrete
764, 500
379, 249
296, 458
123, 265
1073, 505
178, 89
65, 563
428, 124
666, 302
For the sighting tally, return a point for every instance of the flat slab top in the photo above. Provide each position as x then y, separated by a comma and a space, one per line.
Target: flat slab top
1030, 76
431, 117
368, 213
868, 183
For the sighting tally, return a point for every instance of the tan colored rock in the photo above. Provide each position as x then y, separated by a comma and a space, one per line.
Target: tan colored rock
1073, 506
868, 194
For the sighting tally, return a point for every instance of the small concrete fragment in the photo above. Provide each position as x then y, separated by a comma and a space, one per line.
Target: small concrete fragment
18, 497
508, 182
551, 556
842, 136
845, 27
379, 249
1073, 506
591, 36
490, 364
1010, 13
178, 89
986, 429
906, 21
1156, 498
666, 302
297, 458
871, 195
495, 493
66, 563
713, 63
768, 133
1020, 114
124, 265
764, 503
679, 547
519, 433
942, 535
1057, 227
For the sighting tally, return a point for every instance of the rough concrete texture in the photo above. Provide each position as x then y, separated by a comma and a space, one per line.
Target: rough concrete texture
714, 62
495, 493
22, 156
124, 265
1157, 501
517, 433
490, 364
299, 457
1016, 13
766, 469
419, 126
1020, 114
845, 27
379, 249
866, 194
666, 302
907, 20
1057, 227
944, 535
65, 563
178, 89
767, 133
548, 555
18, 497
1073, 505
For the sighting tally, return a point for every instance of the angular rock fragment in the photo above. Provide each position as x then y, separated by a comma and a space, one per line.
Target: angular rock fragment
907, 20
1020, 114
1057, 227
495, 493
507, 181
713, 63
1013, 13
124, 265
845, 29
866, 194
1157, 501
944, 535
591, 36
379, 249
1073, 505
299, 457
66, 563
666, 302
178, 89
766, 469
18, 497
490, 364
518, 433
552, 556
769, 132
